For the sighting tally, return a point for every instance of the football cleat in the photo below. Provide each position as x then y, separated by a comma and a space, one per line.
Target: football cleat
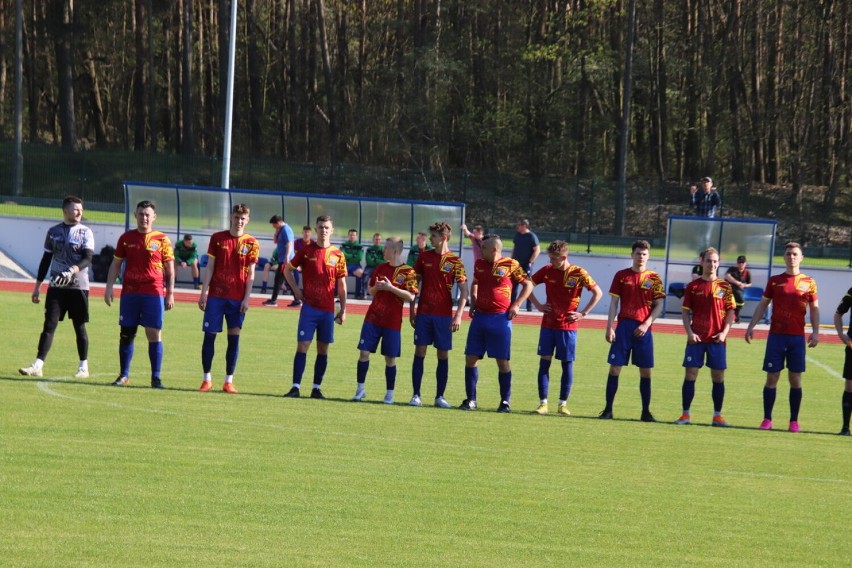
441, 402
316, 393
504, 407
415, 401
719, 422
605, 414
31, 371
205, 386
468, 405
647, 417
82, 373
542, 408
388, 398
157, 384
360, 393
121, 382
293, 393
684, 419
294, 304
229, 388
766, 424
794, 426
563, 410
844, 432
270, 303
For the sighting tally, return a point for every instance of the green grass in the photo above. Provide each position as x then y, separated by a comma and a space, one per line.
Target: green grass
97, 475
89, 215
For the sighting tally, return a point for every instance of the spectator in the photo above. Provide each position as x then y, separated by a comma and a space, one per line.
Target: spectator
475, 237
525, 251
354, 254
272, 265
740, 278
186, 254
419, 248
698, 269
283, 239
707, 202
374, 256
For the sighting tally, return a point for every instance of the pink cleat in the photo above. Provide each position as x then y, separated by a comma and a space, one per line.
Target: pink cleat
766, 424
794, 427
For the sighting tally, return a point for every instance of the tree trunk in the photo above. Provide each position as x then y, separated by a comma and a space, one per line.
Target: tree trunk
255, 76
97, 106
63, 11
139, 100
187, 136
331, 113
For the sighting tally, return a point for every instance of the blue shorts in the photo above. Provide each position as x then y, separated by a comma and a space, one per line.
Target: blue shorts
626, 347
781, 348
312, 320
434, 330
491, 334
371, 334
716, 354
141, 309
218, 308
564, 341
350, 270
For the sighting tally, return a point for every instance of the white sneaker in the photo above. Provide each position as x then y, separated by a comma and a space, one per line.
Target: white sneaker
415, 401
82, 373
360, 394
389, 398
31, 371
441, 402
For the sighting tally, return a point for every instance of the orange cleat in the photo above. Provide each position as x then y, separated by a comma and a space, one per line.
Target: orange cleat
205, 386
229, 388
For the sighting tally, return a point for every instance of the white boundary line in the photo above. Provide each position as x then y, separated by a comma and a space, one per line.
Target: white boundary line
824, 367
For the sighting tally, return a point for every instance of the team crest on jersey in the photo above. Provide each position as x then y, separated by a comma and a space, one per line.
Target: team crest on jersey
720, 293
447, 267
500, 272
803, 287
647, 284
244, 249
400, 279
332, 261
154, 246
572, 282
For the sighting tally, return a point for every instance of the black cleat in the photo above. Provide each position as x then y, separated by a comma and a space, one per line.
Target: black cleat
121, 381
605, 414
468, 405
316, 393
293, 393
157, 384
504, 407
844, 432
647, 417
294, 304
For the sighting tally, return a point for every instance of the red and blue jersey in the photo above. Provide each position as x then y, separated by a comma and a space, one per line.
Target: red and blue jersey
494, 282
709, 302
386, 308
321, 269
144, 256
636, 292
235, 259
438, 272
790, 295
563, 289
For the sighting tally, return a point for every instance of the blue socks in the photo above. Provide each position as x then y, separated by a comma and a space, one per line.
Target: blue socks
543, 378
417, 374
768, 402
795, 403
687, 393
155, 354
718, 396
471, 377
361, 373
505, 385
611, 389
125, 355
320, 366
207, 351
567, 380
232, 354
299, 362
645, 393
442, 373
390, 377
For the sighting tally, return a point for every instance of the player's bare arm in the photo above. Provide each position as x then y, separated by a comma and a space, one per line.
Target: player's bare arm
758, 315
729, 321
291, 282
813, 340
838, 326
244, 305
519, 301
169, 277
112, 274
463, 294
597, 294
341, 296
656, 311
610, 320
686, 317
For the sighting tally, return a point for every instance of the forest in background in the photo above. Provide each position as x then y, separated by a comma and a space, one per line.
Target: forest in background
751, 92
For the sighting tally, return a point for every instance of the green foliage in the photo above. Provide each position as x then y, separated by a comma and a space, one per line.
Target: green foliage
97, 475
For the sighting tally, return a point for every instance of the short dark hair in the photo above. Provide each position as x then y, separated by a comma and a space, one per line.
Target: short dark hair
352, 231
69, 199
794, 244
187, 237
442, 228
145, 203
306, 228
324, 218
558, 247
275, 219
240, 209
641, 245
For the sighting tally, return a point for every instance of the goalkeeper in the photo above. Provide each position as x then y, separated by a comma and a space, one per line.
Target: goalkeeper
68, 250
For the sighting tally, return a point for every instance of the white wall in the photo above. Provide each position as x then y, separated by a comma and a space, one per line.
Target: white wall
23, 240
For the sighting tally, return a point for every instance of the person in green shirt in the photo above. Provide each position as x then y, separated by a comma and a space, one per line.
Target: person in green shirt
354, 254
422, 245
375, 255
186, 254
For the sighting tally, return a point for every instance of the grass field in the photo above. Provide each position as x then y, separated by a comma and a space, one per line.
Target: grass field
101, 476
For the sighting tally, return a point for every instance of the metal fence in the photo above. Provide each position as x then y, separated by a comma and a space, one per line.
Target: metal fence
578, 210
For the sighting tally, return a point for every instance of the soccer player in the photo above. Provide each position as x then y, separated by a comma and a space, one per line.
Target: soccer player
186, 253
432, 318
740, 279
373, 256
846, 404
792, 294
323, 271
354, 253
707, 312
391, 285
68, 251
225, 292
149, 267
490, 332
283, 238
563, 284
637, 297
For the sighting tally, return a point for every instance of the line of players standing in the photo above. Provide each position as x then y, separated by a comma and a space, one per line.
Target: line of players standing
637, 293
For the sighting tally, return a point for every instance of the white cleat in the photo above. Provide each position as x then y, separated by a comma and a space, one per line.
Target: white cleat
82, 373
360, 394
31, 371
441, 402
415, 401
389, 398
